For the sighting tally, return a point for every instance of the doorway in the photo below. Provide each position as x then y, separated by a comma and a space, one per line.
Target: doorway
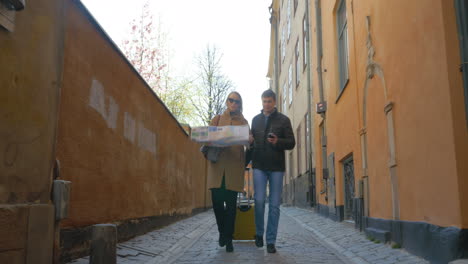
349, 188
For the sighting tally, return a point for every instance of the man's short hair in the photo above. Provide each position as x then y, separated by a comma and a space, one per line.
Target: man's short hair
269, 93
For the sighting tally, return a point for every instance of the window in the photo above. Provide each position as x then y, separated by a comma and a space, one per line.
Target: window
280, 99
343, 59
289, 18
7, 16
280, 55
462, 19
283, 45
298, 64
280, 48
298, 149
285, 88
291, 165
307, 139
290, 84
304, 42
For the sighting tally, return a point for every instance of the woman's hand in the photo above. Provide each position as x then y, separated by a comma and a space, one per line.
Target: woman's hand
251, 139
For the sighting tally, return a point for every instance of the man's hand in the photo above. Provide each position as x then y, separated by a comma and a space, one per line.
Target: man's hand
272, 138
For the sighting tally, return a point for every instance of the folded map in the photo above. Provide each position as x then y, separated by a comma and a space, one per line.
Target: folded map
221, 135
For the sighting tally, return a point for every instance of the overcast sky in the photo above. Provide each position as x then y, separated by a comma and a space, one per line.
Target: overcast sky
240, 29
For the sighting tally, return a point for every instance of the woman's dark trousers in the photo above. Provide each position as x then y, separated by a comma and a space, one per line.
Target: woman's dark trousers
225, 215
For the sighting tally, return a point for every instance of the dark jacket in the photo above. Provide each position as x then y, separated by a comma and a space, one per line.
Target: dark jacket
267, 156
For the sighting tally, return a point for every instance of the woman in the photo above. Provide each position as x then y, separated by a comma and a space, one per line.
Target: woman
226, 176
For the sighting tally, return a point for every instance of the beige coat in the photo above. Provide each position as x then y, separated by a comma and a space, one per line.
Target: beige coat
231, 160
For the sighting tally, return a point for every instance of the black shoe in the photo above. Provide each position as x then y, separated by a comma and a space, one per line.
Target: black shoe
229, 246
259, 241
222, 241
271, 248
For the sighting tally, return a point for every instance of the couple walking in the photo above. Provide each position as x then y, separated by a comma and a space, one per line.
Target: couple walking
271, 134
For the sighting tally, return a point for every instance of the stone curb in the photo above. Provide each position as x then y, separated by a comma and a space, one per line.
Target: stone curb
365, 254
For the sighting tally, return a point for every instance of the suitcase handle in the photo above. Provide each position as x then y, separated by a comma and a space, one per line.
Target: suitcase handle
245, 208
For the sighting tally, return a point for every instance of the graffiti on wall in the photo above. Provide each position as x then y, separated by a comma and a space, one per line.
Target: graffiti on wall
108, 108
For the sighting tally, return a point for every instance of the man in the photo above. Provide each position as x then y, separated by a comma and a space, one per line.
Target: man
272, 135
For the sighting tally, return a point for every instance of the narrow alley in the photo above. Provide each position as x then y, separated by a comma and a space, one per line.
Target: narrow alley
119, 142
304, 237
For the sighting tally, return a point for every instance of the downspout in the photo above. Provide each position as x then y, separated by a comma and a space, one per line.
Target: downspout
276, 54
318, 18
309, 95
274, 23
323, 143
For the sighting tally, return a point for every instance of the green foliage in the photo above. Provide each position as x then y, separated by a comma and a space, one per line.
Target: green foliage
395, 245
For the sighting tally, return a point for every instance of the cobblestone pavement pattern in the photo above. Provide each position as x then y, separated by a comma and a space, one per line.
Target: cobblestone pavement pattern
304, 237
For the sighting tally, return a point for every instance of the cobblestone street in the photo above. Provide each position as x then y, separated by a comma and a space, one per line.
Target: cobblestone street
304, 237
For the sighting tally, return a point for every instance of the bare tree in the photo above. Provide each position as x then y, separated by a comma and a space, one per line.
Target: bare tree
213, 85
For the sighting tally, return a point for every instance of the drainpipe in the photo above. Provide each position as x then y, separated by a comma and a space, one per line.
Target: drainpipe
309, 93
318, 19
274, 23
323, 143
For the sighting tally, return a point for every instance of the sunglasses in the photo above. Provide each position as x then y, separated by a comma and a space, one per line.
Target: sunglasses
234, 101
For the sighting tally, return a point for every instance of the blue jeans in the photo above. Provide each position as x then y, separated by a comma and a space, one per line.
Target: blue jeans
276, 188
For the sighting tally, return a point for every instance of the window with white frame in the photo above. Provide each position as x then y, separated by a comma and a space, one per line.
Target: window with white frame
298, 64
285, 88
291, 165
307, 139
343, 59
283, 44
280, 56
299, 150
289, 18
290, 76
8, 11
304, 42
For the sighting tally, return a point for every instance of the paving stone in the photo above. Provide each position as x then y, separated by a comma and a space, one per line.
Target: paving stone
304, 237
364, 251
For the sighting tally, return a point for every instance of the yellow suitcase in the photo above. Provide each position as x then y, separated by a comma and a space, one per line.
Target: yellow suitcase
244, 228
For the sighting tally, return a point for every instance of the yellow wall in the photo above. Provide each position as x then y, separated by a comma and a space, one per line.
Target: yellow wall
114, 175
460, 131
30, 76
342, 123
420, 67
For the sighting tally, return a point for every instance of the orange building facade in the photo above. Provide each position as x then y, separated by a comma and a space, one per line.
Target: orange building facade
390, 138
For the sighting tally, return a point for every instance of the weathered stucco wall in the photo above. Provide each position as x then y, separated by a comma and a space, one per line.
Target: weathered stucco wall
460, 130
124, 153
420, 70
342, 121
418, 82
29, 79
30, 76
